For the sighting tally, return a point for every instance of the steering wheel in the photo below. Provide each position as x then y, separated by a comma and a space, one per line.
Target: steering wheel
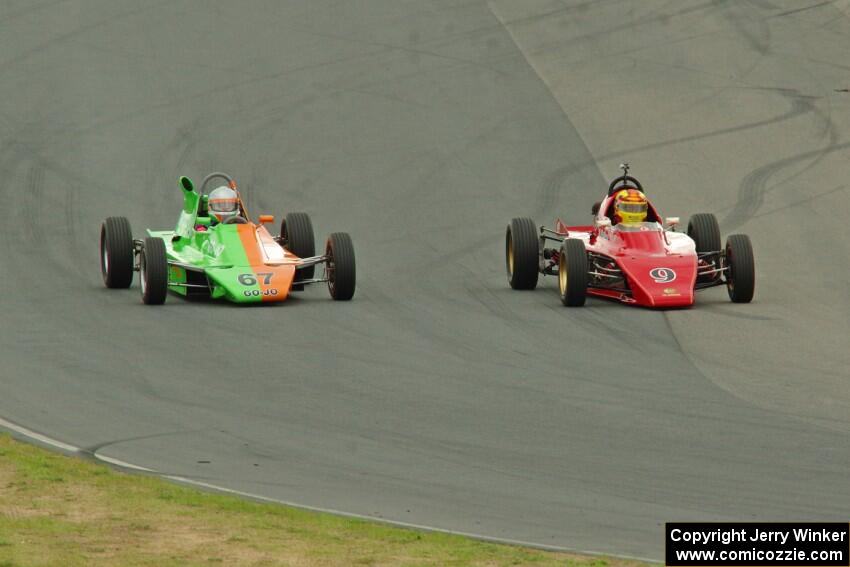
236, 220
623, 180
215, 175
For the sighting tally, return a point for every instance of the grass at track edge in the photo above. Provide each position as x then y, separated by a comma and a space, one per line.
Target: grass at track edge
59, 510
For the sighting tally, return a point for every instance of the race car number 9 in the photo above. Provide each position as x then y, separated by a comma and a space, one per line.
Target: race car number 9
249, 279
662, 275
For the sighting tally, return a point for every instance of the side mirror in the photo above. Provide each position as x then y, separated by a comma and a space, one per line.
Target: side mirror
604, 222
203, 221
672, 222
186, 184
265, 219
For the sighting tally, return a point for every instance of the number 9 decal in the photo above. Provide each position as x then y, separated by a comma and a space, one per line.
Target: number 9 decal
662, 275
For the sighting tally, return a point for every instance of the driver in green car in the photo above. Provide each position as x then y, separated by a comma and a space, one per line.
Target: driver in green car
223, 204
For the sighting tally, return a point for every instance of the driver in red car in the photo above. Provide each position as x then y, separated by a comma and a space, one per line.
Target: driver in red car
630, 207
223, 204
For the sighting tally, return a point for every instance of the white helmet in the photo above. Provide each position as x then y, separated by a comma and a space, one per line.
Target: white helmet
223, 203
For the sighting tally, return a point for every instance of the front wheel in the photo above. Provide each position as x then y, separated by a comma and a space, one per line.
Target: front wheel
572, 273
522, 249
341, 271
741, 270
153, 271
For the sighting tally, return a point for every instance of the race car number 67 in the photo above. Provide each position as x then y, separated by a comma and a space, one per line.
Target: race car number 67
249, 279
662, 275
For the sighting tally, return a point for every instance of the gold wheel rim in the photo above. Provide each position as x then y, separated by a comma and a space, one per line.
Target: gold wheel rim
562, 275
511, 255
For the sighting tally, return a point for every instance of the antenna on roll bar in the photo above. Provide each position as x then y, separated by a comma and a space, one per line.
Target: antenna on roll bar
625, 167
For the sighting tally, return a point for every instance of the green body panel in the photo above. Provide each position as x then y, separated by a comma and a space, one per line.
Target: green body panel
220, 254
176, 274
217, 251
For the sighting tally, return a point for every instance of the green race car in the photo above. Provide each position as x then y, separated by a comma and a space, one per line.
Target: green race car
216, 252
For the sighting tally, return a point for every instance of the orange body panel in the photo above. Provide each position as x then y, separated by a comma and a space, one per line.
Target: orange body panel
273, 266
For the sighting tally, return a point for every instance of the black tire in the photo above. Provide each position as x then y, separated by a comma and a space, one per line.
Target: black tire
741, 275
522, 250
341, 270
116, 252
297, 232
572, 273
705, 232
153, 271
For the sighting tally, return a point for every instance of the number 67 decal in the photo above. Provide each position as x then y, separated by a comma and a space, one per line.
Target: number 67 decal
249, 279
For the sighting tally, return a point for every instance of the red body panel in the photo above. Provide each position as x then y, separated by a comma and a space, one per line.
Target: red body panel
561, 228
659, 272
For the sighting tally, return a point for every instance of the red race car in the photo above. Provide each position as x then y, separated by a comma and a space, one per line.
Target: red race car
628, 254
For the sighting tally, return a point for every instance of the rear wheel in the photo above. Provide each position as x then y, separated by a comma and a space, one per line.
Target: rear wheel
572, 273
741, 273
522, 253
341, 271
153, 271
116, 252
297, 232
704, 230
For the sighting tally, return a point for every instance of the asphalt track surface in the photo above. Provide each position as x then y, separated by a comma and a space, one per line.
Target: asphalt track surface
439, 396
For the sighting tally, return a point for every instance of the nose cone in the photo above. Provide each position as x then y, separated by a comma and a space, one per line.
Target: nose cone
252, 284
253, 274
664, 280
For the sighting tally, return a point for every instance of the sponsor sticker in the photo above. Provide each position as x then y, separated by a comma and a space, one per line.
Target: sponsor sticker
258, 293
